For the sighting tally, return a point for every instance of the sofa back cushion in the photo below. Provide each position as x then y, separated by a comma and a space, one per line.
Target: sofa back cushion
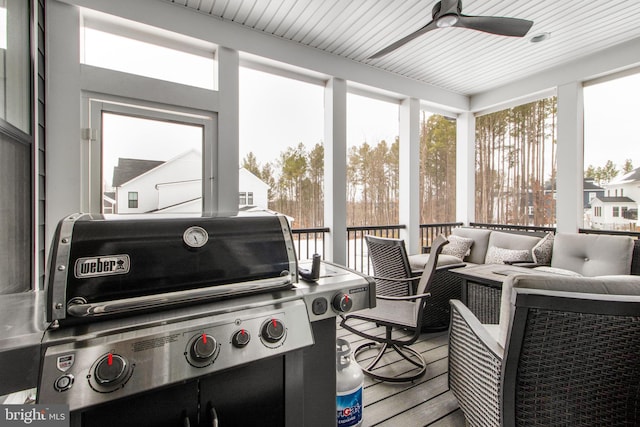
480, 238
511, 243
612, 285
592, 254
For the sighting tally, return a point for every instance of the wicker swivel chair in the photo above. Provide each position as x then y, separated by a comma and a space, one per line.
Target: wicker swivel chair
569, 358
401, 316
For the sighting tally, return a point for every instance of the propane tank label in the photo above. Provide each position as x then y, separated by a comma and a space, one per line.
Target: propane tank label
349, 407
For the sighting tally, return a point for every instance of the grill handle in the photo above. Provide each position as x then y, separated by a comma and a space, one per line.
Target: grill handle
127, 305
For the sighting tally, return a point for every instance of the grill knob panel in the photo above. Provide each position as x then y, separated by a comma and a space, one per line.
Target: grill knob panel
203, 348
342, 303
240, 338
273, 331
111, 369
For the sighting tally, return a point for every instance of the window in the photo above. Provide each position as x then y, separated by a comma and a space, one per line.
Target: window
437, 168
597, 211
611, 111
116, 52
516, 165
246, 198
372, 161
15, 64
133, 200
281, 145
143, 169
616, 211
16, 149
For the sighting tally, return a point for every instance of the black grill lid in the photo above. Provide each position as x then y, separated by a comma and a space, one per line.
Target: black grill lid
98, 258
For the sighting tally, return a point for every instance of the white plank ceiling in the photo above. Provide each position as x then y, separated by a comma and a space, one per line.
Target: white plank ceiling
460, 60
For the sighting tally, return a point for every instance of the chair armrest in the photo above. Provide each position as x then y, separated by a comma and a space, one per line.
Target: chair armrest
475, 367
390, 279
404, 298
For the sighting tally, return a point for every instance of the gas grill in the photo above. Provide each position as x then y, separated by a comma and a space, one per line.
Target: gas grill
199, 321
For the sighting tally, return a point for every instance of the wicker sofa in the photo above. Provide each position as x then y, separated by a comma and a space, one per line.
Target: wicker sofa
565, 353
569, 254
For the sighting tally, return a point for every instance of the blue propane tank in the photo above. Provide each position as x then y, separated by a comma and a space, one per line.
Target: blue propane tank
349, 382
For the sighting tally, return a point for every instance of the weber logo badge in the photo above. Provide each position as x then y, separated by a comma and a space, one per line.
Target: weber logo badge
102, 266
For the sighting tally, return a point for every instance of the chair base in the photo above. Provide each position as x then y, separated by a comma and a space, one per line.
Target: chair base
407, 354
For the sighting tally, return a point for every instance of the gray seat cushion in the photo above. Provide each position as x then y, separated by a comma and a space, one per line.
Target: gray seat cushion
418, 261
592, 254
612, 285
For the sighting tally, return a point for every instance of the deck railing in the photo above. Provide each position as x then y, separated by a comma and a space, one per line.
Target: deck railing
512, 227
309, 241
428, 232
357, 252
634, 234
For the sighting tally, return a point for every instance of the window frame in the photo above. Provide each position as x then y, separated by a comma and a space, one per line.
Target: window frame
28, 137
132, 199
97, 104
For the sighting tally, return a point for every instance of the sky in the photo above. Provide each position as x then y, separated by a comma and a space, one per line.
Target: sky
277, 113
612, 122
612, 117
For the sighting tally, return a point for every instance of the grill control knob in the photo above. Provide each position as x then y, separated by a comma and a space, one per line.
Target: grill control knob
240, 338
111, 369
203, 347
342, 303
273, 331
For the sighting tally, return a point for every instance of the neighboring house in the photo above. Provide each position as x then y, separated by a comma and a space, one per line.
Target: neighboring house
174, 186
614, 213
252, 190
170, 183
590, 192
108, 202
618, 208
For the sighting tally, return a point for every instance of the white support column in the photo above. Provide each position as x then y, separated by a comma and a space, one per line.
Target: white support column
67, 178
570, 152
335, 169
228, 130
409, 212
465, 168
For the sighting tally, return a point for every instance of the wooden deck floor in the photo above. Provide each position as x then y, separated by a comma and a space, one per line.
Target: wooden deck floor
425, 402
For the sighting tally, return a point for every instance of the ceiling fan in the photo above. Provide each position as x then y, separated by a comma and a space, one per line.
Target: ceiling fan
448, 13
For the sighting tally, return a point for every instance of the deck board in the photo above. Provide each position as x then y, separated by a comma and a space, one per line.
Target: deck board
424, 402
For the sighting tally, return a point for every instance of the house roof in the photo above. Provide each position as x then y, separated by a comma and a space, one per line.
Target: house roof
629, 177
128, 169
623, 199
590, 185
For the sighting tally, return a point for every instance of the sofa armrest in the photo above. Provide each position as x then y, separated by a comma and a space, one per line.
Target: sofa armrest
475, 367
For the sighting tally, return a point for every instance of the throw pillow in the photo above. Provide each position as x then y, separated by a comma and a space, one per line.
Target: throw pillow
458, 246
496, 255
542, 250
